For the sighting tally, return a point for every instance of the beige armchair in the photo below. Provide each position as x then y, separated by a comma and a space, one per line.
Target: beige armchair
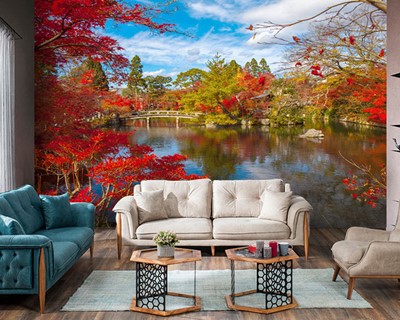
368, 253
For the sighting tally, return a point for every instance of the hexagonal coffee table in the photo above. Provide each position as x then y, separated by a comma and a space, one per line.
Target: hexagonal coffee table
152, 281
274, 280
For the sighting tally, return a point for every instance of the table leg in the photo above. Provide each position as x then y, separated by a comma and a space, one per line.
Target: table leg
233, 281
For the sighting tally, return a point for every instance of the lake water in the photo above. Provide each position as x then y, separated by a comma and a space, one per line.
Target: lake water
313, 167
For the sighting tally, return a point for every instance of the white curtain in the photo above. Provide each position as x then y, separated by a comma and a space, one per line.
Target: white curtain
7, 108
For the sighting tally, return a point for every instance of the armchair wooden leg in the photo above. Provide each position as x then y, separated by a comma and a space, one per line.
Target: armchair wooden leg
352, 283
306, 231
213, 251
335, 273
119, 235
42, 281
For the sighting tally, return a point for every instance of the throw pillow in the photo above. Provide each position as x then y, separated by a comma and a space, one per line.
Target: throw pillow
10, 226
56, 211
275, 205
150, 206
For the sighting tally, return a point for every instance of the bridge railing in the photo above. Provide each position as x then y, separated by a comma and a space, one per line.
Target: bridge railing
172, 113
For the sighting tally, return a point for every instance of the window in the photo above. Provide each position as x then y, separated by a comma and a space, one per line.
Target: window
7, 106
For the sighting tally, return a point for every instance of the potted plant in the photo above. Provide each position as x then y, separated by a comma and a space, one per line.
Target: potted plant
165, 241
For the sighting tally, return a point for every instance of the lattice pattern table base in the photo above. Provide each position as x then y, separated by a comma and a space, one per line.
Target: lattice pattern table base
152, 282
274, 282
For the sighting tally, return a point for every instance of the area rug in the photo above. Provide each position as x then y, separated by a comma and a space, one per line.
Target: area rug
114, 290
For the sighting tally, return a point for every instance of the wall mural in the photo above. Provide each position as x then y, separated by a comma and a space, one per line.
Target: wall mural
183, 90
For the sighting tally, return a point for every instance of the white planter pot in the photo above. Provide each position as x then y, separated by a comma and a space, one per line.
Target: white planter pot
165, 251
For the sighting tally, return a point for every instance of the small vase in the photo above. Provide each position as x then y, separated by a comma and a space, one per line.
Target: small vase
165, 251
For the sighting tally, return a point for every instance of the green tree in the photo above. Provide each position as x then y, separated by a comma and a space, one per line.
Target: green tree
100, 80
189, 78
256, 69
93, 71
156, 87
264, 67
219, 83
136, 83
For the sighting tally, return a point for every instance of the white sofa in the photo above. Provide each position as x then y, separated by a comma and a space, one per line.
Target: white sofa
213, 213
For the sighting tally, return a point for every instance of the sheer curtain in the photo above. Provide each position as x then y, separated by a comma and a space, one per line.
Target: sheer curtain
7, 106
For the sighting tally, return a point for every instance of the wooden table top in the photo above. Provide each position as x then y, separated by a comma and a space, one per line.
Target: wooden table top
233, 254
181, 256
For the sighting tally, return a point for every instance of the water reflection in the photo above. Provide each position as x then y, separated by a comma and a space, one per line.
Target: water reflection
313, 167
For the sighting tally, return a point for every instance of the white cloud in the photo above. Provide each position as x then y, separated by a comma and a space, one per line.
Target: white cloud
258, 12
171, 51
154, 73
176, 53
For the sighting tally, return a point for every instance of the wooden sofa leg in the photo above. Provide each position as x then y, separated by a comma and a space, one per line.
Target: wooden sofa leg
213, 251
335, 273
352, 283
42, 281
119, 235
91, 250
306, 235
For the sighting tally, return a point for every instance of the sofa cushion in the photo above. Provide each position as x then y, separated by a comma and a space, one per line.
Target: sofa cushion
81, 236
10, 226
150, 206
275, 205
185, 198
241, 198
349, 252
23, 205
185, 228
64, 253
249, 229
56, 211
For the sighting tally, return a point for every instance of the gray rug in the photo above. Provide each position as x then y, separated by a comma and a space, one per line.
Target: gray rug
114, 290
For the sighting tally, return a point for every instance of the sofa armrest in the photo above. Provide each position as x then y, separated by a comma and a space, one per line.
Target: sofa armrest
21, 255
128, 208
298, 205
366, 234
83, 214
382, 258
24, 242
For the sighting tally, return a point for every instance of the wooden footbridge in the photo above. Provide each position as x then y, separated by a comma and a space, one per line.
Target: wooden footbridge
148, 115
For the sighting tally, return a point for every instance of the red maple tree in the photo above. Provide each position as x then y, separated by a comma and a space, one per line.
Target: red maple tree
71, 154
66, 29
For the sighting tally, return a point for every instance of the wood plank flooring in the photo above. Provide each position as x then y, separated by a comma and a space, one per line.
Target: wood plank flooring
382, 294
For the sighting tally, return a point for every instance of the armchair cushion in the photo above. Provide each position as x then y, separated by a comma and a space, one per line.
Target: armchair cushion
10, 226
275, 205
150, 206
56, 211
349, 252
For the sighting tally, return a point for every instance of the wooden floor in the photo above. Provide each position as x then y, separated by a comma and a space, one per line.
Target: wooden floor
383, 295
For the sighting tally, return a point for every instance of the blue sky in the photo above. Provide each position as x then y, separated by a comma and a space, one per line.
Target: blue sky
215, 27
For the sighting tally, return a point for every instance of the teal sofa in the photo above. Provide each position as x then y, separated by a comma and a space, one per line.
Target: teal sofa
41, 238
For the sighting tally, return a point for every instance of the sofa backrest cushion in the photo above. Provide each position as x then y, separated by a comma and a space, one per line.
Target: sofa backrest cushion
241, 198
23, 205
184, 198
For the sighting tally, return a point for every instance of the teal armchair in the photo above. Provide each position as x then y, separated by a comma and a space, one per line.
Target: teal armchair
40, 240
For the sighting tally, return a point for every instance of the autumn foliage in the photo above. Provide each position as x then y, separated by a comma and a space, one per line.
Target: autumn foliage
72, 155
